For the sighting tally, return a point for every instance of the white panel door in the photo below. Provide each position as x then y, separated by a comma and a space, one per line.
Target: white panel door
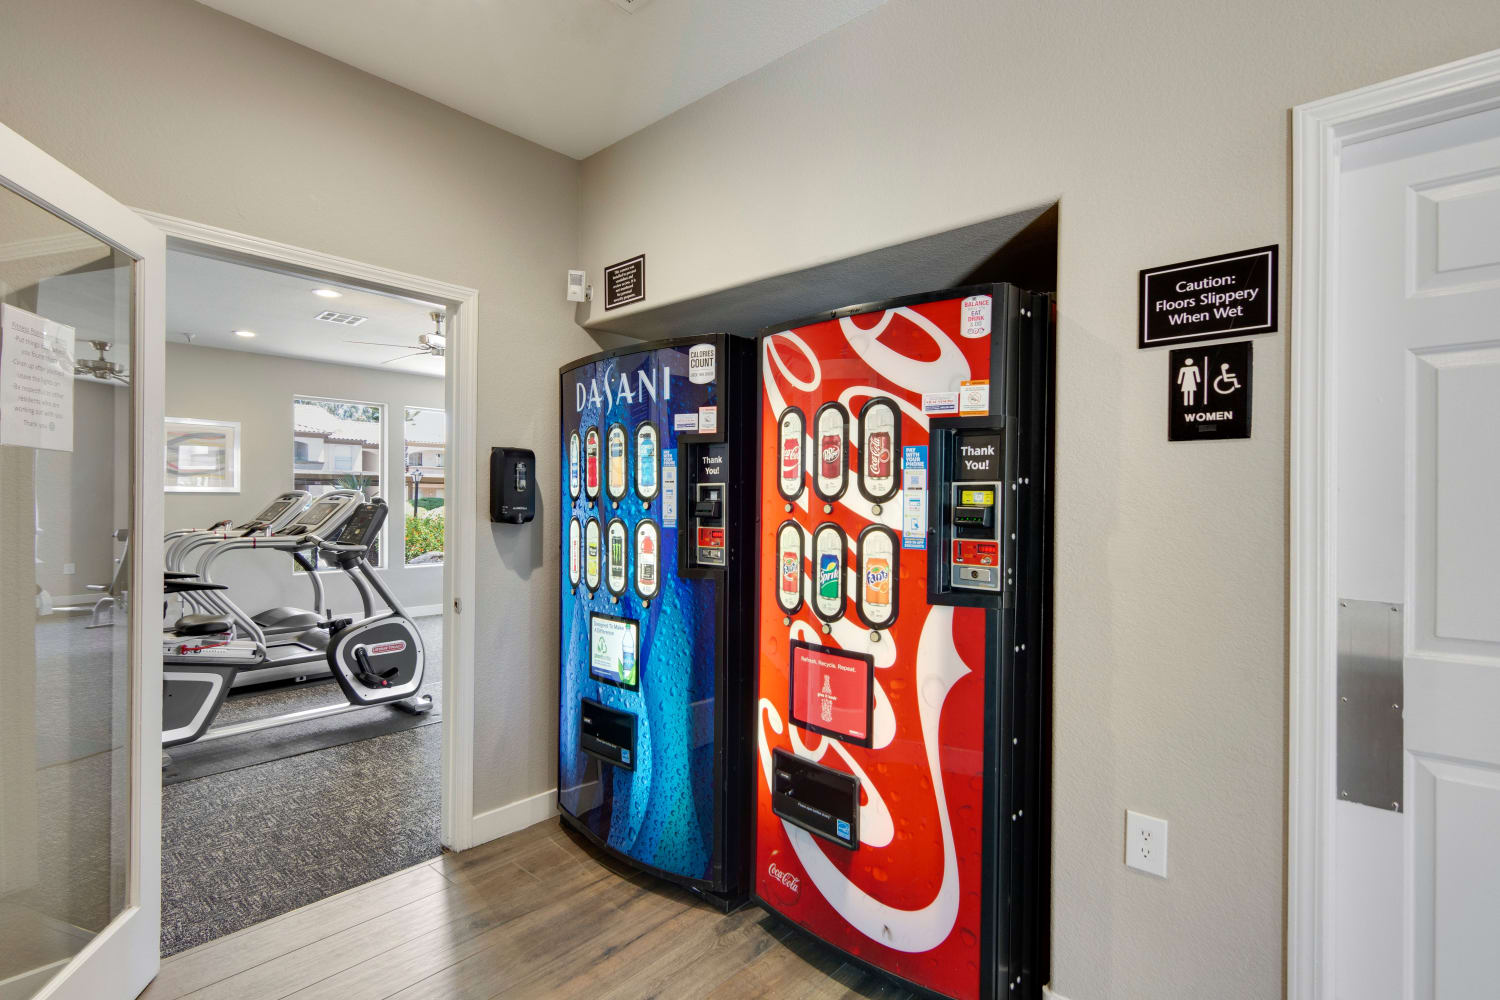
81, 363
1417, 388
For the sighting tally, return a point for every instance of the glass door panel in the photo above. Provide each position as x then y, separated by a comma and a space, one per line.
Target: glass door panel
67, 314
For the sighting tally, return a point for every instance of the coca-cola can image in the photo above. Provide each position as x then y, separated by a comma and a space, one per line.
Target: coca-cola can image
830, 454
878, 455
791, 459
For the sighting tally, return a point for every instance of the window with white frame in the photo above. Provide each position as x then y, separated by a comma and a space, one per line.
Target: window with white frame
338, 444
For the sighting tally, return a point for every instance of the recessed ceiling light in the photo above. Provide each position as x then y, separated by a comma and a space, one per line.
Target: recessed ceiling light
244, 333
327, 293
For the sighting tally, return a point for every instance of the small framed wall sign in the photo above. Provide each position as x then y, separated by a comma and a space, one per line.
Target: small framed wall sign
203, 456
1230, 295
625, 282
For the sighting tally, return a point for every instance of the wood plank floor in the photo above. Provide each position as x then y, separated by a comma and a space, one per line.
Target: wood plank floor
539, 913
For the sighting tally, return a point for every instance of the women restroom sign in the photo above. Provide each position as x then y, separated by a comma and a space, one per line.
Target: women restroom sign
1209, 392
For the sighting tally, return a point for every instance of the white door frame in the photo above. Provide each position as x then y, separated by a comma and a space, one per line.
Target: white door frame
1320, 131
463, 486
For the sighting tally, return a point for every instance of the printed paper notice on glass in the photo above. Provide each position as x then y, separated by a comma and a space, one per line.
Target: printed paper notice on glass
708, 420
36, 381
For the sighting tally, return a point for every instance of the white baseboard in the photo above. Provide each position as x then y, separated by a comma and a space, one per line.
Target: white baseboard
424, 610
514, 816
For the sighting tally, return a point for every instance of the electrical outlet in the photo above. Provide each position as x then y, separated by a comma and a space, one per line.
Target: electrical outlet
69, 569
1146, 843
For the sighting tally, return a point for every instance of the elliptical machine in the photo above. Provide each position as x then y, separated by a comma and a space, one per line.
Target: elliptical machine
377, 660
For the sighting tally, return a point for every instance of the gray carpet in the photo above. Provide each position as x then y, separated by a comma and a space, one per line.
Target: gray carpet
245, 845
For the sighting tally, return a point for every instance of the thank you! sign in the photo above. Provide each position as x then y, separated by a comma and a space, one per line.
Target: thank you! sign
1229, 295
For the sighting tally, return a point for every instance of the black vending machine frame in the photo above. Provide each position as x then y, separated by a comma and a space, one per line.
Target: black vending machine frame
734, 671
1016, 906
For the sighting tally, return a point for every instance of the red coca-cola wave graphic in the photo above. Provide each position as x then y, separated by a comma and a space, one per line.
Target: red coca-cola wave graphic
907, 899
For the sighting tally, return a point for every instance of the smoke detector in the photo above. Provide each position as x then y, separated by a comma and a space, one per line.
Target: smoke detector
630, 6
340, 319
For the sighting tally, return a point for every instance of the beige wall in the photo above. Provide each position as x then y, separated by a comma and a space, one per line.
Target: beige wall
172, 107
1163, 130
259, 396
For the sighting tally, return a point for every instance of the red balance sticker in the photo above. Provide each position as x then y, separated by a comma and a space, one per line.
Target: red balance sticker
831, 692
710, 538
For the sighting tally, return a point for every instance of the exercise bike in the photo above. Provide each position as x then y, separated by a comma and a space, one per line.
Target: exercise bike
377, 660
292, 649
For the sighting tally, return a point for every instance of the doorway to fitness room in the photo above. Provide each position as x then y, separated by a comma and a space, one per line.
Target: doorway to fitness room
306, 500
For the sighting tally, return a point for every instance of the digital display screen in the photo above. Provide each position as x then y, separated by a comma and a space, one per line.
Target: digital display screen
832, 692
614, 650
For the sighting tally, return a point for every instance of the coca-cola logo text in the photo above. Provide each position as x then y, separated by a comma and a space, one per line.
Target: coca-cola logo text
791, 882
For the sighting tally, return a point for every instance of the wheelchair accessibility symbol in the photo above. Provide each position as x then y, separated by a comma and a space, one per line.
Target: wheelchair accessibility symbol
1227, 381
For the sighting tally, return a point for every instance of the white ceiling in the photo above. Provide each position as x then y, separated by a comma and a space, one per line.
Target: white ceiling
210, 299
572, 75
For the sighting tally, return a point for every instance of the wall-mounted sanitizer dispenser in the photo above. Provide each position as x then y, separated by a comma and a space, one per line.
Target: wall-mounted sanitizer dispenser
512, 485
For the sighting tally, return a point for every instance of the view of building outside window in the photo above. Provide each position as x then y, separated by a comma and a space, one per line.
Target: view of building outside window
426, 439
337, 444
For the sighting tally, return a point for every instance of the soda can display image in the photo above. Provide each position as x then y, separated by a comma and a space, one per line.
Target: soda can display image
879, 443
647, 461
831, 465
789, 567
615, 446
879, 568
591, 554
574, 553
829, 551
618, 570
573, 470
591, 463
791, 432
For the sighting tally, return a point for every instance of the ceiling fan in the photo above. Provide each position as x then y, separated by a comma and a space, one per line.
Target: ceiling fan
432, 344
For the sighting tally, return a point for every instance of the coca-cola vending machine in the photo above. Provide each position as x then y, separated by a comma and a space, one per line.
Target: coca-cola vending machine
902, 674
655, 658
